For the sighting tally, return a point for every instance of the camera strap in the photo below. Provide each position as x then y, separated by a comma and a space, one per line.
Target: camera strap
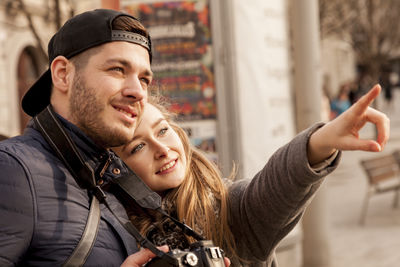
144, 242
146, 198
62, 144
184, 227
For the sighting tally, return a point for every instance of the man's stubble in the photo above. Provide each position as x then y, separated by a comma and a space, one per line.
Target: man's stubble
86, 110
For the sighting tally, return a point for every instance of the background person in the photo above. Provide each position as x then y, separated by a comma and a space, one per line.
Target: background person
342, 101
247, 218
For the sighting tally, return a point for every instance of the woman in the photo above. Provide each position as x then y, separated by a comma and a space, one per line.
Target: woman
247, 218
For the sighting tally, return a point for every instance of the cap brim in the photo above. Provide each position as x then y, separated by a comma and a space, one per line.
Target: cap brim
37, 98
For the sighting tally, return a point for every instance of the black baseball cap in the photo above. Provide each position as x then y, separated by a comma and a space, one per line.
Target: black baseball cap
81, 32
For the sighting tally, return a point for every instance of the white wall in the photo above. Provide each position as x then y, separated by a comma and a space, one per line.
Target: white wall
263, 69
338, 62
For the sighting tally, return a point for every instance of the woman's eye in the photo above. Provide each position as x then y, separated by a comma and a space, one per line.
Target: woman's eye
145, 81
163, 131
137, 148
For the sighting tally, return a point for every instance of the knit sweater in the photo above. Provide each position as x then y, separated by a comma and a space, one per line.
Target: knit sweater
265, 209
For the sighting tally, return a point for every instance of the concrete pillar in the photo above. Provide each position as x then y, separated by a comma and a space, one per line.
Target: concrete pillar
316, 229
308, 91
307, 63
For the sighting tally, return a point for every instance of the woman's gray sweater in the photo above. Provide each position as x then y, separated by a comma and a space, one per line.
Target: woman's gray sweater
265, 209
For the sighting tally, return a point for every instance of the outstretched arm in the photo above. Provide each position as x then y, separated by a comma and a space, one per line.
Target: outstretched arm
342, 133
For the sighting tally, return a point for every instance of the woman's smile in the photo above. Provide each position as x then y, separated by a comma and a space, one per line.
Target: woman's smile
167, 168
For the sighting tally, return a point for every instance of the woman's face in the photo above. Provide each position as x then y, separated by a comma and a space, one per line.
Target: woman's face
156, 153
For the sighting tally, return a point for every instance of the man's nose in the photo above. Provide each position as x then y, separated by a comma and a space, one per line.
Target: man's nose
134, 89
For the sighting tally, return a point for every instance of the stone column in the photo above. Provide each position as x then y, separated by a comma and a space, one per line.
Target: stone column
308, 90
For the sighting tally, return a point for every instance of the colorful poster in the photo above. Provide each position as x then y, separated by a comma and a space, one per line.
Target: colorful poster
182, 54
183, 63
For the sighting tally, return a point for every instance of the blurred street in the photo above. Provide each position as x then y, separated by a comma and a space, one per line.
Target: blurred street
377, 243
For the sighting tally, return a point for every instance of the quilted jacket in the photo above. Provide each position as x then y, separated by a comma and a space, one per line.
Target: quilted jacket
43, 211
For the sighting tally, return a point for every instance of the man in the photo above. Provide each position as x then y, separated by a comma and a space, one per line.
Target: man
97, 84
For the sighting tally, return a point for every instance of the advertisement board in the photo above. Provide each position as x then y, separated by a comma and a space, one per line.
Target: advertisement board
183, 62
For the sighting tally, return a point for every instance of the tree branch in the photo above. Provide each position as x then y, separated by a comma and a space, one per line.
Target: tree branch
32, 28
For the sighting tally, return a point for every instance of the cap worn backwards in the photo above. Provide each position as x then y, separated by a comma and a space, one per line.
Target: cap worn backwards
78, 34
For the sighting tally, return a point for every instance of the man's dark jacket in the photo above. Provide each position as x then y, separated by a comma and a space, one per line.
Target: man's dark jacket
43, 211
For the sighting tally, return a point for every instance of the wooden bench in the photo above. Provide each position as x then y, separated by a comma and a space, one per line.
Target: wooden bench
383, 175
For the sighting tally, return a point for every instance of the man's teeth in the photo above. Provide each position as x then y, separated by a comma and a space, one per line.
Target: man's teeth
166, 167
123, 111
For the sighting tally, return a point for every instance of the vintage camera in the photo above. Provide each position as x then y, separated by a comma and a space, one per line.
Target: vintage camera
200, 254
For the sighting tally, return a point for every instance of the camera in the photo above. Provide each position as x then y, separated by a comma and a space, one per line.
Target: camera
200, 254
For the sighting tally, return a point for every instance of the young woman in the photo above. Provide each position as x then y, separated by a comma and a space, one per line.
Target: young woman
247, 218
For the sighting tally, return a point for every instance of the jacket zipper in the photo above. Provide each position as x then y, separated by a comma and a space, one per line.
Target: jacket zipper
106, 164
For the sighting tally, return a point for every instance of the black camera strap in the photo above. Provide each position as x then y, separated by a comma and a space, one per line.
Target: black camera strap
136, 189
62, 144
144, 242
184, 227
146, 198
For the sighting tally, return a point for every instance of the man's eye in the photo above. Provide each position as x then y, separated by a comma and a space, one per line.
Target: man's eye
119, 69
137, 148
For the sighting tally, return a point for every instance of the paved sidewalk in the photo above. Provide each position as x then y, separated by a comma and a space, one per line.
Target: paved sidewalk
377, 243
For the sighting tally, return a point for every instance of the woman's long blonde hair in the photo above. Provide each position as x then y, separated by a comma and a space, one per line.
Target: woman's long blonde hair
201, 201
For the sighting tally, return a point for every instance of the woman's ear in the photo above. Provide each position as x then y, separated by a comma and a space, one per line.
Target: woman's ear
61, 71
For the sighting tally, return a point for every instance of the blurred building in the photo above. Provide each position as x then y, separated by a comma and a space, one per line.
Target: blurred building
338, 64
262, 64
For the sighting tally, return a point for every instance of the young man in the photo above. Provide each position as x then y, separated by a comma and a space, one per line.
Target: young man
97, 85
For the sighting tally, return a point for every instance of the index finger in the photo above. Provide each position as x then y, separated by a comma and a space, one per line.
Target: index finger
361, 105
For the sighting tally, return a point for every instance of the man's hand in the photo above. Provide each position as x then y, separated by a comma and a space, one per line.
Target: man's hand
142, 257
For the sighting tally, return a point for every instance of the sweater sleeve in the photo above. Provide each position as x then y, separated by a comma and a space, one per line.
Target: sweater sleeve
264, 209
16, 211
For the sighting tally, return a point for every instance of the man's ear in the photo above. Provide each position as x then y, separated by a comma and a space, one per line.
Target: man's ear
61, 72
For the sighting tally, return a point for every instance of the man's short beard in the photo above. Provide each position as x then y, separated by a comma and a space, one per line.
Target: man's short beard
85, 109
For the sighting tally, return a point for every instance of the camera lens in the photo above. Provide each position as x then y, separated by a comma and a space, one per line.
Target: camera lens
191, 259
